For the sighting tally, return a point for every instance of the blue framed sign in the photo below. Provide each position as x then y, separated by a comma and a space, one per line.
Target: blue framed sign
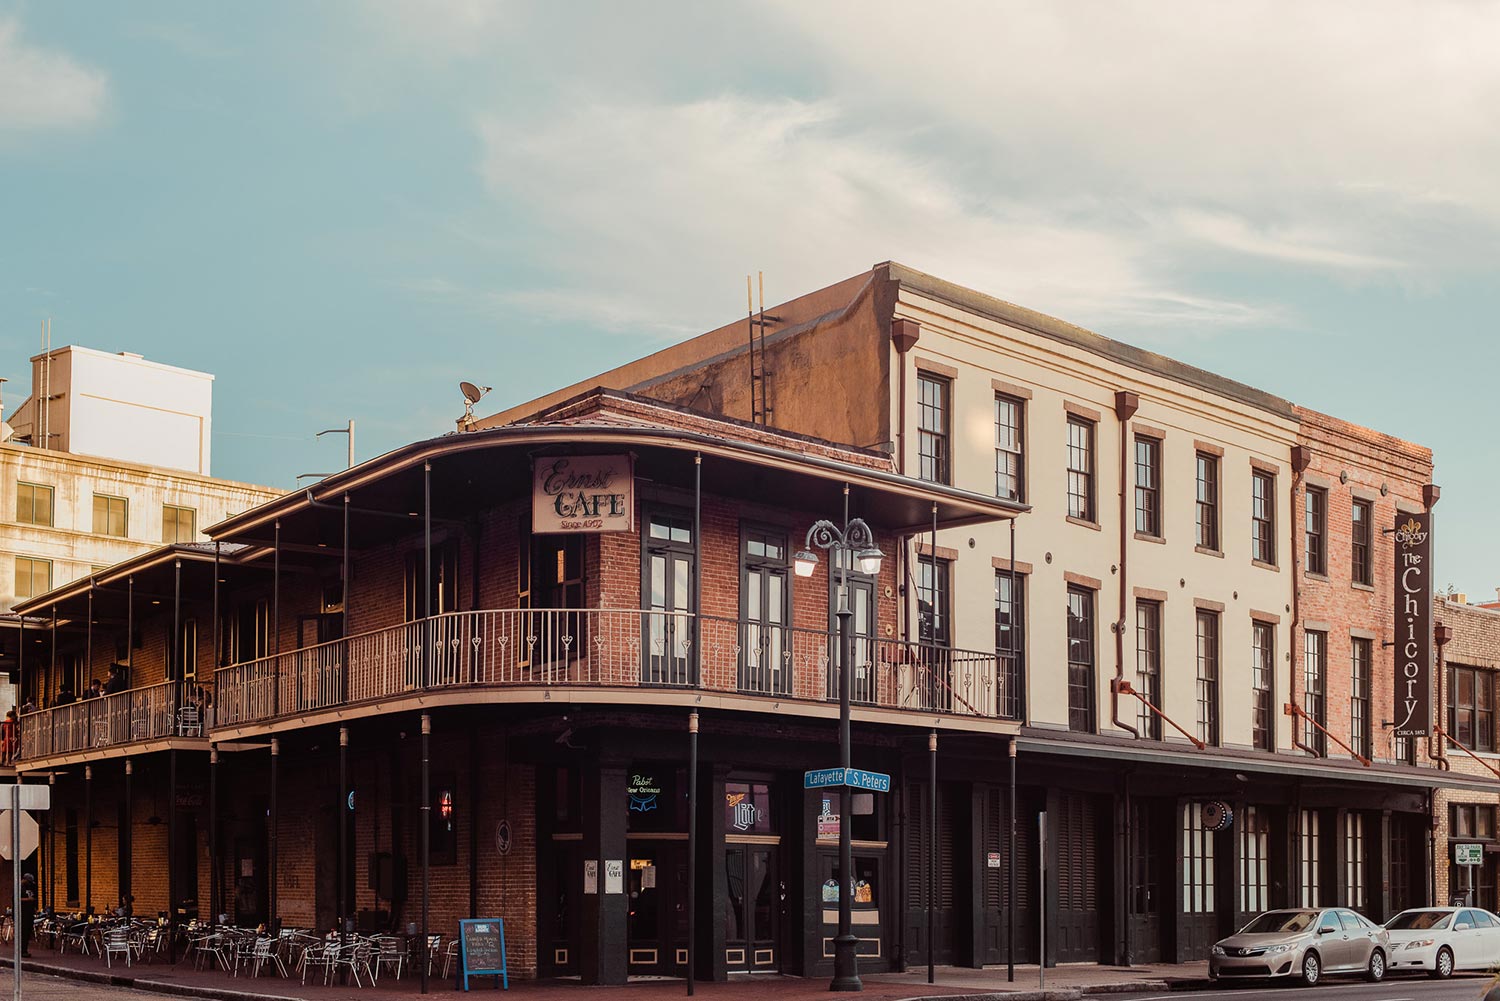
481, 950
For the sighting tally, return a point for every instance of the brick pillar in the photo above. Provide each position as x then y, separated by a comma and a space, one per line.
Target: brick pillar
603, 935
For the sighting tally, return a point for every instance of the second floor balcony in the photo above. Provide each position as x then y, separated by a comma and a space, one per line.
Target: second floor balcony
593, 652
170, 711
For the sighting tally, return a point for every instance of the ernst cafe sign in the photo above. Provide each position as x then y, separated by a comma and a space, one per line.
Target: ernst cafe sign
582, 493
1413, 635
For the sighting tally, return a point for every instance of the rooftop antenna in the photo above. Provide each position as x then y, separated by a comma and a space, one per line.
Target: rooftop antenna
472, 395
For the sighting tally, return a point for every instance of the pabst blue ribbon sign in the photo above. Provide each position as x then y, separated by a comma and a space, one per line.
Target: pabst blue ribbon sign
1413, 634
582, 493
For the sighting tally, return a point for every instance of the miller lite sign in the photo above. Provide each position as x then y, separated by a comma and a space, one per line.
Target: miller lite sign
1413, 635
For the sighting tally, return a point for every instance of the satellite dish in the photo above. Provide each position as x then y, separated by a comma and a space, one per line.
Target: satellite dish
472, 393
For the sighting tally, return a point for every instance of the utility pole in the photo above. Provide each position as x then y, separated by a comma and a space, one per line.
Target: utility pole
348, 430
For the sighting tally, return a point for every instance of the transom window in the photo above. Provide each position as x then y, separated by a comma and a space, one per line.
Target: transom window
1317, 530
765, 546
1208, 501
110, 515
1009, 446
1148, 486
1361, 570
1263, 516
178, 524
1080, 469
34, 504
933, 453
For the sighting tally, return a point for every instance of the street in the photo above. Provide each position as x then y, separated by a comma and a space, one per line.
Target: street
1401, 988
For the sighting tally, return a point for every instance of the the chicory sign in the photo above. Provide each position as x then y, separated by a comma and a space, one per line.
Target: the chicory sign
582, 493
1413, 538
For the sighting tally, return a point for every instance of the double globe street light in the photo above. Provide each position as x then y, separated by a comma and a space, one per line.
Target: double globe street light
852, 545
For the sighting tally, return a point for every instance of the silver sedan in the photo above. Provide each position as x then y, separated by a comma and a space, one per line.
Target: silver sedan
1303, 944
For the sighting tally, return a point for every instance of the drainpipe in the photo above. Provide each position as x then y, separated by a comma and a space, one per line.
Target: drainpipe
1126, 404
1301, 459
1430, 494
1441, 634
904, 335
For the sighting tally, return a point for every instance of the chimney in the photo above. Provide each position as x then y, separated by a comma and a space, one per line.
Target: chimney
1460, 598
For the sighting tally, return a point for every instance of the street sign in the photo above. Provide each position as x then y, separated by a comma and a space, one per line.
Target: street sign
824, 778
30, 835
33, 797
1468, 854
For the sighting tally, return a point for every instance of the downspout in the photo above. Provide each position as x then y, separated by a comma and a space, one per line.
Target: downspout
1441, 634
1301, 459
1430, 494
904, 335
1126, 404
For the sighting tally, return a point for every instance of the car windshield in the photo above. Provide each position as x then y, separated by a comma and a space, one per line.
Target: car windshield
1419, 920
1280, 922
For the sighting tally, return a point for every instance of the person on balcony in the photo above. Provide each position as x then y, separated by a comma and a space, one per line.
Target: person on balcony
116, 682
65, 696
94, 690
10, 737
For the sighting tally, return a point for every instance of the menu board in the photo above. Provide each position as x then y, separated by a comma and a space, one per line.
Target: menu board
481, 950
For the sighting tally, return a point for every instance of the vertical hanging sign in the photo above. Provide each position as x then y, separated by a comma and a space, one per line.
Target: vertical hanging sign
1413, 635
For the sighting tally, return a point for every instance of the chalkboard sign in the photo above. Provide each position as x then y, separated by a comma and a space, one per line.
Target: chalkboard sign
481, 950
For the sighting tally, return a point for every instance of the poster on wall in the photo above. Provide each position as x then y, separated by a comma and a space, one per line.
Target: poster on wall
582, 493
1413, 635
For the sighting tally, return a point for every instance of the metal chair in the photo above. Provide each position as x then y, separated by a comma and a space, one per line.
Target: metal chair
434, 949
262, 954
318, 955
189, 721
117, 943
354, 956
390, 952
450, 956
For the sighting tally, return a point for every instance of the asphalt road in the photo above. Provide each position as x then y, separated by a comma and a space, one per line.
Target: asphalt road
1403, 987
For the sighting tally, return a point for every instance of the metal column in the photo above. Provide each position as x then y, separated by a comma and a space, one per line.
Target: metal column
426, 832
271, 918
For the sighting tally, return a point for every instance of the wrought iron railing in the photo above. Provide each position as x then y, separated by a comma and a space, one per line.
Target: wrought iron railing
154, 712
609, 649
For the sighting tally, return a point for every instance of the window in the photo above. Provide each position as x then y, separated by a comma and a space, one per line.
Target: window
1263, 516
1471, 707
33, 577
1197, 862
33, 504
932, 427
110, 516
1009, 447
1317, 530
1314, 685
1080, 469
1404, 749
186, 666
178, 524
933, 609
1354, 859
1148, 665
1255, 853
1359, 697
1360, 569
1262, 673
765, 607
1208, 677
1208, 501
1010, 640
1148, 486
444, 582
1471, 820
1309, 859
1080, 660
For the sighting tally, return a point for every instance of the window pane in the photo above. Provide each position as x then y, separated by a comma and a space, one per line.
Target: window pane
932, 428
1080, 469
1008, 448
1080, 660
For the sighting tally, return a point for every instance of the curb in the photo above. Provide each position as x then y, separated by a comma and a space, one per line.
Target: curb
142, 984
1075, 993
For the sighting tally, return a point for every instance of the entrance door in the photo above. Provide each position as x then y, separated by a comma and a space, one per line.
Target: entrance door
186, 865
1078, 879
765, 664
656, 929
669, 592
752, 910
862, 683
1148, 894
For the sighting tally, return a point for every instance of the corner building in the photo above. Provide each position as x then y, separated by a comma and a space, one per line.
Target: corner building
1178, 654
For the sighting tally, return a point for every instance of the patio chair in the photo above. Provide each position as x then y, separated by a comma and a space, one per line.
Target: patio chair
262, 955
74, 937
318, 956
117, 943
354, 956
390, 952
189, 721
210, 948
450, 956
434, 949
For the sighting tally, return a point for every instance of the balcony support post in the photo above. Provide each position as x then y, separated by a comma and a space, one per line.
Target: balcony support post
172, 856
130, 631
271, 920
344, 613
215, 659
275, 639
697, 591
88, 635
692, 844
932, 852
176, 654
125, 860
48, 858
426, 601
213, 829
1010, 865
426, 842
52, 665
20, 687
88, 840
342, 812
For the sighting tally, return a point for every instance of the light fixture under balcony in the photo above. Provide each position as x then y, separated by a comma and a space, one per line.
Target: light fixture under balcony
805, 562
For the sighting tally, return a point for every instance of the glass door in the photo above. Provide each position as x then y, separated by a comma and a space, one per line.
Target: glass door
863, 681
669, 591
752, 908
765, 658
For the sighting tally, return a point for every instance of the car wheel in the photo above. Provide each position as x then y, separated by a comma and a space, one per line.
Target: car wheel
1312, 969
1442, 967
1375, 972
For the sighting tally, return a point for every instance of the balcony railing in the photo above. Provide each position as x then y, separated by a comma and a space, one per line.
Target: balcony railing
608, 649
170, 709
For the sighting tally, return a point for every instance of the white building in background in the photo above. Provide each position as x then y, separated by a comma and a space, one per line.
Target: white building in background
107, 458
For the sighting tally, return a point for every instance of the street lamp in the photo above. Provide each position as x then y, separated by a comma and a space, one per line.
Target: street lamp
852, 545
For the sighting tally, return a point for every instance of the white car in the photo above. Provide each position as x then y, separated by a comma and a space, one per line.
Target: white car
1440, 940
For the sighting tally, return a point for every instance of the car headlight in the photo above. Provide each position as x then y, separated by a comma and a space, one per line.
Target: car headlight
1277, 950
1420, 943
1218, 950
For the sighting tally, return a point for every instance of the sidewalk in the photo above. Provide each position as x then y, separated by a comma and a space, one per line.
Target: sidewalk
1063, 983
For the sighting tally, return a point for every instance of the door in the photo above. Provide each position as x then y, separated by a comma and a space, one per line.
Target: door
752, 909
1356, 941
1332, 946
863, 684
1008, 912
1486, 939
1467, 953
656, 924
186, 864
1077, 880
765, 664
668, 587
1148, 895
558, 637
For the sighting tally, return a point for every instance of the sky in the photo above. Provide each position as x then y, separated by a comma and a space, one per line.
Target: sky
342, 209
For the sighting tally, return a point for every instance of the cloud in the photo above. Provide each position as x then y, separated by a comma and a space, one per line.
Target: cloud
42, 88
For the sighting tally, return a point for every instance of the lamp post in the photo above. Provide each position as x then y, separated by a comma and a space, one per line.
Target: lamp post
853, 542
